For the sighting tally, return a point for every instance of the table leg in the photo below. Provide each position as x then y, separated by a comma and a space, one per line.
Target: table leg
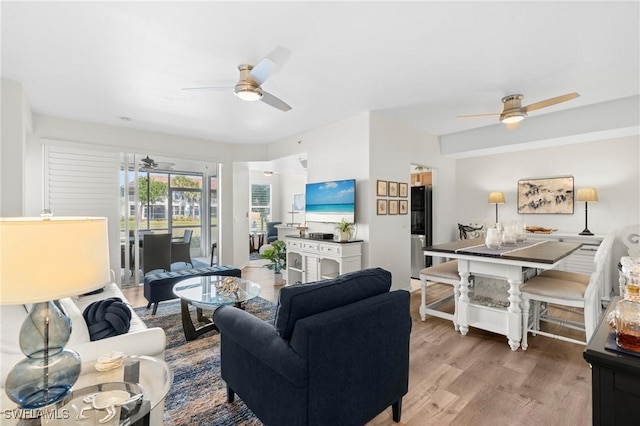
191, 332
514, 313
462, 316
423, 300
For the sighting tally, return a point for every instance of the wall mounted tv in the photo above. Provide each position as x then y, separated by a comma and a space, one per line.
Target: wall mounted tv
331, 201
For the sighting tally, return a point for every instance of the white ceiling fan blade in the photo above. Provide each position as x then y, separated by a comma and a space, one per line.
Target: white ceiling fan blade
551, 101
269, 64
269, 99
209, 88
479, 115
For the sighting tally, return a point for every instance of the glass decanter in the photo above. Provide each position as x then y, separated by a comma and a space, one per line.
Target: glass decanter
627, 316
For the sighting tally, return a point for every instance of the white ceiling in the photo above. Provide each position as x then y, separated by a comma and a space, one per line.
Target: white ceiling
421, 62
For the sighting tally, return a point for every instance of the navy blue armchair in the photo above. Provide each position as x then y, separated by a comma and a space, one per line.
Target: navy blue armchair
337, 353
272, 232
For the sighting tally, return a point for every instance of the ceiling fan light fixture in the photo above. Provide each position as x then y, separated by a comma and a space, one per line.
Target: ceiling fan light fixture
512, 117
248, 93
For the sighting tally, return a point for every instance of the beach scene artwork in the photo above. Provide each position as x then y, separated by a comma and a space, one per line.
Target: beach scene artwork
331, 201
549, 195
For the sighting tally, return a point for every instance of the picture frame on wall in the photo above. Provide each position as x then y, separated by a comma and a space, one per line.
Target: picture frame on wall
381, 206
403, 189
393, 206
393, 189
381, 188
552, 195
403, 207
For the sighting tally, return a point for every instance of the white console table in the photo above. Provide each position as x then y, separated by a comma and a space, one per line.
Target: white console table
581, 261
311, 260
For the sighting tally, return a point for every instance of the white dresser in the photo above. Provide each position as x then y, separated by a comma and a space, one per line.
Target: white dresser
311, 260
582, 260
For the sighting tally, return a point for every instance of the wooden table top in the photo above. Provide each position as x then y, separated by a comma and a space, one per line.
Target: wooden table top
539, 252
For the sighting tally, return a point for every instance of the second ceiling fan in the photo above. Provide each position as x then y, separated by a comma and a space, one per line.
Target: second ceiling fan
513, 112
248, 87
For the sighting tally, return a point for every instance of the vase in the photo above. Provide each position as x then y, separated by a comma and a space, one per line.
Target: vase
493, 238
277, 278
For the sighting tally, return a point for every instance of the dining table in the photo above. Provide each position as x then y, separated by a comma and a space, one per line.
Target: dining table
509, 265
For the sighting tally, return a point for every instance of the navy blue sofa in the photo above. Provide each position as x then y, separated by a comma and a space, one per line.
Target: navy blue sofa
337, 353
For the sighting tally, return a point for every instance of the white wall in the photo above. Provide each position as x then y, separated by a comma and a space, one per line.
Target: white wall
610, 166
336, 151
394, 147
237, 207
16, 123
368, 147
289, 185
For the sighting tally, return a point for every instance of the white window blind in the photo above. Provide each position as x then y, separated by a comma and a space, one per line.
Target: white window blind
79, 181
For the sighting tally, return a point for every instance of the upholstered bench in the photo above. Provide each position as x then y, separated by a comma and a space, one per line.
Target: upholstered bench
159, 287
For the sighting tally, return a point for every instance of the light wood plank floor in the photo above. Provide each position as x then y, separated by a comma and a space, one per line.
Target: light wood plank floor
476, 379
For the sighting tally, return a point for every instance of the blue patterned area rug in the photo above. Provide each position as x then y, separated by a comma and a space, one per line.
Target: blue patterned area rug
198, 395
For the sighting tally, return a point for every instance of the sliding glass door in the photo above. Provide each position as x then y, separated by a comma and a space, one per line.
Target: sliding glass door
163, 201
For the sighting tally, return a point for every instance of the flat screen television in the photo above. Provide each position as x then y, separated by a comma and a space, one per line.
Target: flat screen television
331, 201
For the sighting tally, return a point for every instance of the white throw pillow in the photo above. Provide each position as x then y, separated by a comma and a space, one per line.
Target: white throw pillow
79, 330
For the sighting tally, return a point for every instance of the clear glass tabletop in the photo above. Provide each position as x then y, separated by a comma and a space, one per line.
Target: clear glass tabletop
206, 292
138, 374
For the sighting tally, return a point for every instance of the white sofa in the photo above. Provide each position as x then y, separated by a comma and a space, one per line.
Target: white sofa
139, 340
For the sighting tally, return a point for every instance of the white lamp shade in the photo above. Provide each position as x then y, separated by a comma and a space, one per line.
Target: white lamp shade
496, 198
587, 194
48, 259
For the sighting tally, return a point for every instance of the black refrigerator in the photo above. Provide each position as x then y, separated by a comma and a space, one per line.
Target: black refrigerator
421, 227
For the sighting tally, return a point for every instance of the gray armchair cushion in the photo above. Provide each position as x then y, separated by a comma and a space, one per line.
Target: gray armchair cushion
303, 300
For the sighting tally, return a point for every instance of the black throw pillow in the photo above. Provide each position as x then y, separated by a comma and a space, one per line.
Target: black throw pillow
106, 318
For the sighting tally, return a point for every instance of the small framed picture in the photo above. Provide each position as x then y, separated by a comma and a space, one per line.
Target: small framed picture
381, 188
393, 189
403, 206
393, 206
403, 190
382, 206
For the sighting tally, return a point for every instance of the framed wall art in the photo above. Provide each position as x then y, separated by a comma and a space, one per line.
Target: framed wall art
546, 195
403, 207
381, 206
393, 189
403, 189
381, 188
393, 206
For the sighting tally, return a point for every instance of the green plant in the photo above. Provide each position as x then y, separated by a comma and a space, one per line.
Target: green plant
277, 255
345, 227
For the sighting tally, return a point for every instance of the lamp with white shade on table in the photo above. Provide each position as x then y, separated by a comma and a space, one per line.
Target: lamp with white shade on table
496, 198
43, 260
586, 195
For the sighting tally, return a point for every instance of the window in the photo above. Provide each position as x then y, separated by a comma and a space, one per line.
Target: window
186, 199
260, 206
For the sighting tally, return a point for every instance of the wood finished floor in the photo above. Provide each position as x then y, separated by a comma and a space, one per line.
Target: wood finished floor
476, 379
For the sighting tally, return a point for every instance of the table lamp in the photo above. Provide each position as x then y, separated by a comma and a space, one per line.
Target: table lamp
42, 260
586, 195
496, 198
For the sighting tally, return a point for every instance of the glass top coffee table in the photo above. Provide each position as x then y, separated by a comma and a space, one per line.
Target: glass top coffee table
208, 293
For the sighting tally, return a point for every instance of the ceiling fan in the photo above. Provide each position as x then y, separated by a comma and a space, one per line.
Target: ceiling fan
248, 87
513, 112
150, 164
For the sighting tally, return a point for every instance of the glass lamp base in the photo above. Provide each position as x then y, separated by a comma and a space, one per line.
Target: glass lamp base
33, 384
